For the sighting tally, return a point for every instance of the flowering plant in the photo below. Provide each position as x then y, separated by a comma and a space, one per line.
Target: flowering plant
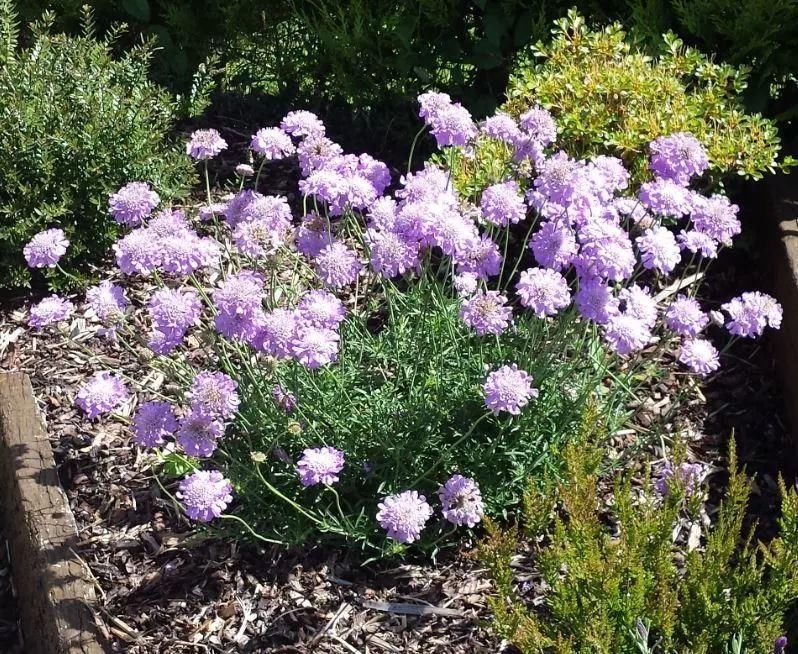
391, 367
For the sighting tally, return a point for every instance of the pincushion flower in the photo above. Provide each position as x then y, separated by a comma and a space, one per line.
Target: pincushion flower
300, 124
46, 248
391, 254
214, 393
133, 203
540, 125
382, 214
375, 171
503, 204
239, 305
480, 257
716, 217
453, 125
315, 347
466, 284
696, 242
205, 495
272, 143
461, 501
259, 238
685, 316
404, 515
276, 332
626, 333
595, 300
665, 197
639, 304
199, 432
686, 475
508, 389
544, 291
606, 252
107, 300
554, 245
273, 210
245, 170
205, 144
102, 394
313, 235
699, 355
486, 312
337, 265
559, 178
315, 152
751, 312
322, 309
502, 127
658, 249
153, 423
678, 157
283, 398
49, 311
320, 465
174, 311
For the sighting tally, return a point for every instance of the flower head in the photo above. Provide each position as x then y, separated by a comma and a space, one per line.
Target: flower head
627, 333
284, 399
502, 127
554, 245
337, 265
46, 248
205, 494
214, 393
461, 501
199, 432
205, 144
696, 242
153, 423
313, 235
50, 310
486, 312
245, 170
450, 123
678, 157
320, 465
751, 312
315, 347
508, 389
133, 203
659, 250
503, 204
107, 300
544, 291
103, 393
699, 355
665, 197
686, 475
716, 217
595, 300
239, 305
300, 124
391, 253
173, 311
322, 308
272, 143
685, 316
404, 515
540, 125
277, 329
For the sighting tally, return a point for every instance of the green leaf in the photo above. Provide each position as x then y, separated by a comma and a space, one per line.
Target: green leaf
176, 464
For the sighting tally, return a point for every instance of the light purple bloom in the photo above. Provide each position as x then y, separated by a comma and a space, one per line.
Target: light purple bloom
135, 253
107, 300
199, 432
461, 501
50, 310
133, 203
638, 303
503, 204
465, 284
153, 423
665, 197
595, 301
659, 250
687, 476
502, 127
626, 333
479, 257
245, 170
716, 217
508, 389
315, 152
544, 291
272, 143
404, 515
452, 125
554, 245
300, 124
685, 316
174, 311
313, 235
46, 248
205, 495
751, 312
391, 254
273, 210
214, 393
376, 172
102, 394
606, 252
696, 242
284, 399
259, 237
608, 172
678, 157
699, 355
337, 265
322, 308
540, 125
486, 312
320, 465
315, 347
780, 645
239, 305
205, 144
382, 214
276, 331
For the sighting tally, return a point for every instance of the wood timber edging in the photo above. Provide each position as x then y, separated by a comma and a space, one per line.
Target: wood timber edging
53, 591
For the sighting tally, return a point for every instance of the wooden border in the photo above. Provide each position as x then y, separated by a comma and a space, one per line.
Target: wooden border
54, 593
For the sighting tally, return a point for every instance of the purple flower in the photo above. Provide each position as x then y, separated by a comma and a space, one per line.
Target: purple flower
429, 184
382, 214
315, 347
284, 399
687, 476
46, 248
205, 495
502, 127
698, 242
322, 309
508, 389
391, 254
50, 310
658, 249
540, 125
107, 300
315, 152
560, 178
245, 170
272, 143
678, 157
544, 291
452, 125
685, 316
461, 501
277, 329
300, 124
337, 265
503, 204
103, 393
595, 301
486, 312
432, 102
479, 257
751, 312
716, 217
199, 432
133, 203
239, 305
153, 423
205, 144
606, 252
214, 393
665, 197
465, 284
257, 238
404, 515
780, 645
554, 245
626, 333
608, 172
135, 253
699, 355
320, 465
313, 235
376, 172
173, 312
273, 210
638, 303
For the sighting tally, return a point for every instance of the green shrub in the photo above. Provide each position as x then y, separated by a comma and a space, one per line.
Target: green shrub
618, 584
75, 124
607, 96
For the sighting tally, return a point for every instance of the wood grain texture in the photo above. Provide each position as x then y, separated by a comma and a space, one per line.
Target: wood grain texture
51, 582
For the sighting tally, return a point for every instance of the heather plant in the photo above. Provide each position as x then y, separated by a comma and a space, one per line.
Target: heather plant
75, 124
647, 573
389, 361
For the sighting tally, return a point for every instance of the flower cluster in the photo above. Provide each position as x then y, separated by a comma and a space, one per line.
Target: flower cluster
46, 248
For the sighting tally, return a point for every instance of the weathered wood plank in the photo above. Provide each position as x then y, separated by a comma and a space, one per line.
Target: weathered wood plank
51, 584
